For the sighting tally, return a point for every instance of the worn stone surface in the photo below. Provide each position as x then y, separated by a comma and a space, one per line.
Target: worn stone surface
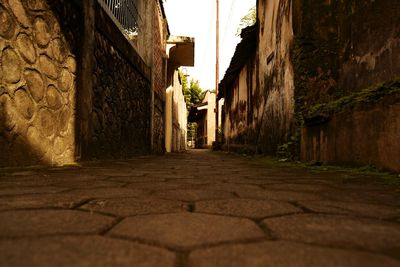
7, 22
109, 192
186, 230
11, 66
35, 84
53, 98
36, 38
125, 207
277, 195
42, 32
35, 201
193, 194
82, 251
48, 67
24, 104
36, 5
284, 254
250, 208
20, 190
19, 11
45, 222
26, 48
352, 208
121, 105
48, 216
338, 231
65, 80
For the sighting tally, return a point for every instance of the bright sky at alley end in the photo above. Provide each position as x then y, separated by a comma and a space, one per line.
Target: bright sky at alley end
196, 18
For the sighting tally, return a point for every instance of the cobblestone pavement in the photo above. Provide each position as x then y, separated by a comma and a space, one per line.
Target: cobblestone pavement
195, 209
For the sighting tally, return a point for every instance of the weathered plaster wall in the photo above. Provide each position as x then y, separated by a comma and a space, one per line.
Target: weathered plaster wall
38, 51
175, 117
343, 48
275, 92
240, 116
159, 79
366, 135
259, 106
211, 123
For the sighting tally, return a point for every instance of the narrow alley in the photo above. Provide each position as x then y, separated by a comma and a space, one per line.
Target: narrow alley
124, 125
195, 209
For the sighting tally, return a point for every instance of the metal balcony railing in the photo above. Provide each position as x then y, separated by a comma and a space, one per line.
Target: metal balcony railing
125, 13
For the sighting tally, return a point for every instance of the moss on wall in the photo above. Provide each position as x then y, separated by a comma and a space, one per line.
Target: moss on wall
372, 94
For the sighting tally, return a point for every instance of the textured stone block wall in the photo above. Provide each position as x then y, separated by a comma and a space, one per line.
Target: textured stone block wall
71, 85
121, 104
37, 81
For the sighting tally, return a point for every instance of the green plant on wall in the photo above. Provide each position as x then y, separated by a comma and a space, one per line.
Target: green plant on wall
248, 20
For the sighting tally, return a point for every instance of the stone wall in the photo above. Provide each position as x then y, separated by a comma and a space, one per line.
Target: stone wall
38, 51
72, 87
121, 104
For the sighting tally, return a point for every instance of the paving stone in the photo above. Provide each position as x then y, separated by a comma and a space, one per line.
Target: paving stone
34, 201
197, 181
193, 194
125, 207
229, 187
352, 208
299, 187
7, 191
186, 230
158, 186
88, 184
136, 179
81, 251
76, 175
278, 195
44, 222
250, 208
114, 192
284, 254
372, 197
338, 231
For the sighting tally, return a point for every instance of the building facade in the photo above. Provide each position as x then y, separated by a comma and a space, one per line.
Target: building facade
317, 81
81, 80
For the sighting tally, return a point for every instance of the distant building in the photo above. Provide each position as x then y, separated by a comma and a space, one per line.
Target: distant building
204, 115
